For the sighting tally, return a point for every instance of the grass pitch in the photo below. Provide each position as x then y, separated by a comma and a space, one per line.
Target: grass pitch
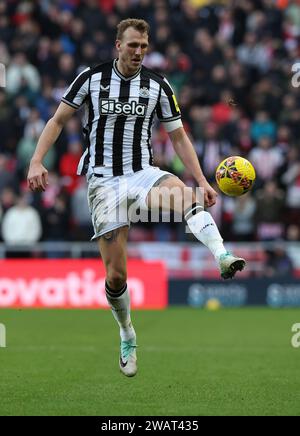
191, 362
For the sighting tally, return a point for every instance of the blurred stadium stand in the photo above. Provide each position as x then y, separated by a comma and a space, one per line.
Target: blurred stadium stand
182, 260
210, 51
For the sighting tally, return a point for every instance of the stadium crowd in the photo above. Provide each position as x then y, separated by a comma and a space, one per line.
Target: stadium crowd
211, 52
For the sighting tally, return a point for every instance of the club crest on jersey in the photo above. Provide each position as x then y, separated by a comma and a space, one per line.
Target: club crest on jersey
110, 106
144, 92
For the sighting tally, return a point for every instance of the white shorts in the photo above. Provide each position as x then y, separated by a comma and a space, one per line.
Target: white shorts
115, 200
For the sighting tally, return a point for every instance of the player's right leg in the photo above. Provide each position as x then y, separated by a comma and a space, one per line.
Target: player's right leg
108, 207
112, 246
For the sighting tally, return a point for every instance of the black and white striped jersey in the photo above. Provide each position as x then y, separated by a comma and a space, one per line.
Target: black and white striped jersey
118, 117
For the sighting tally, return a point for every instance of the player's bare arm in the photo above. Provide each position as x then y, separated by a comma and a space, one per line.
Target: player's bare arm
185, 150
37, 177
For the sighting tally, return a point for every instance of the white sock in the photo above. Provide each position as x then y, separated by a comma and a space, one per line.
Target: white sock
120, 304
204, 228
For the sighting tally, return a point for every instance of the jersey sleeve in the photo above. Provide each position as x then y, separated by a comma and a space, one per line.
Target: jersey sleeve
78, 90
168, 111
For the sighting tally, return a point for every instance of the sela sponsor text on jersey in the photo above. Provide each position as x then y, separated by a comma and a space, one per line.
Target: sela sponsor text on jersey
111, 106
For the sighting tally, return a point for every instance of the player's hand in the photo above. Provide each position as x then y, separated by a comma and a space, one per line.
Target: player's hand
210, 195
37, 177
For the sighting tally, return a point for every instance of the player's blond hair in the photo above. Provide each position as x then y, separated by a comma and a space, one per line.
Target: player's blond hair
140, 25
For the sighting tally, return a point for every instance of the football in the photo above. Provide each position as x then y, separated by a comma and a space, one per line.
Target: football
235, 176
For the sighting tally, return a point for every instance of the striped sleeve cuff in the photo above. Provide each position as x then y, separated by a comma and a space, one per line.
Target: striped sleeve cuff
172, 125
74, 105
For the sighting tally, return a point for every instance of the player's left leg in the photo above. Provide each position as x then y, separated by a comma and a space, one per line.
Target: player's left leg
171, 192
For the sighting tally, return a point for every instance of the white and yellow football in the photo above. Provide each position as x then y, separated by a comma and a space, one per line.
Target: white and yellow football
235, 176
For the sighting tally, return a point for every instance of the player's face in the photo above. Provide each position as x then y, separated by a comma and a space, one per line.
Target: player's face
132, 49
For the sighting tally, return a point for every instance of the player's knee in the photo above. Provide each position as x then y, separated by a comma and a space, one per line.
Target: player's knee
116, 279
